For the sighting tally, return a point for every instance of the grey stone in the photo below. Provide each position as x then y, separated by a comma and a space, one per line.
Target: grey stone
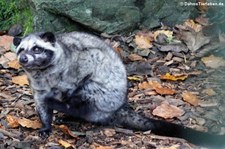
110, 16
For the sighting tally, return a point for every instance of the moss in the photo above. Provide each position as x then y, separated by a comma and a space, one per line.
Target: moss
16, 12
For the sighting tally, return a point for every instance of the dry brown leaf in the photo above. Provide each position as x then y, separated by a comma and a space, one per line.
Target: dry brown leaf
166, 111
34, 124
6, 41
143, 41
66, 130
12, 121
14, 64
109, 132
3, 60
135, 57
209, 92
104, 147
161, 90
65, 144
168, 76
1, 126
195, 26
20, 80
149, 85
202, 20
190, 98
10, 56
144, 85
213, 61
176, 146
150, 93
164, 91
155, 84
157, 87
194, 40
118, 51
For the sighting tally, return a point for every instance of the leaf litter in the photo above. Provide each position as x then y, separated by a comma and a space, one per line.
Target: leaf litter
164, 81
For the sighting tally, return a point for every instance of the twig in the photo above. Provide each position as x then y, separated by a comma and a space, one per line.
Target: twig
16, 136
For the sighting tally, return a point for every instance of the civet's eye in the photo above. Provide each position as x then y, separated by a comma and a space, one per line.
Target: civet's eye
20, 50
37, 50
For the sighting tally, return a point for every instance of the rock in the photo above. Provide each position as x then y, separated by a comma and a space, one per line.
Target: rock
107, 16
15, 30
104, 16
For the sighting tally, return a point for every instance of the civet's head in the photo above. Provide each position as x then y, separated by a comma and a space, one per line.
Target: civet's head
36, 51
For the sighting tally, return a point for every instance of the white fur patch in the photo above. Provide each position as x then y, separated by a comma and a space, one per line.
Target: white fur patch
34, 40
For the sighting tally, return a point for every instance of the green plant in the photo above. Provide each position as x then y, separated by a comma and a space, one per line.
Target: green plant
16, 12
7, 10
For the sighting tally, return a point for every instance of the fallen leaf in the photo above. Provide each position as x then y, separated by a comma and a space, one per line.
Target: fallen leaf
168, 33
104, 147
166, 111
135, 57
157, 87
197, 72
12, 121
65, 144
6, 96
202, 20
208, 104
209, 92
150, 93
135, 78
174, 48
195, 26
213, 61
109, 132
66, 130
20, 80
143, 52
164, 91
10, 56
176, 146
3, 60
145, 85
138, 68
14, 64
190, 98
6, 41
155, 84
143, 41
194, 40
168, 76
34, 124
118, 51
1, 126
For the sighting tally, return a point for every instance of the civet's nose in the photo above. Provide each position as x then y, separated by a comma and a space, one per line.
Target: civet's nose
23, 59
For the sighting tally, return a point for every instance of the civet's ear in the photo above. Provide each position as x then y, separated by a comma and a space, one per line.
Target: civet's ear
16, 41
48, 37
